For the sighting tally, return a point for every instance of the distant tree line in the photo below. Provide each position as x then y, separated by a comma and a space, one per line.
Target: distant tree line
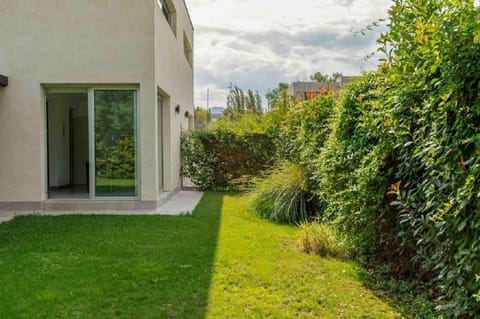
240, 102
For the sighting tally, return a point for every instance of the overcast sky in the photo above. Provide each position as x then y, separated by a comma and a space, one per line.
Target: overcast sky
258, 43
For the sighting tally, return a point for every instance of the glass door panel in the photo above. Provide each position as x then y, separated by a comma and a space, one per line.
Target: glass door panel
115, 143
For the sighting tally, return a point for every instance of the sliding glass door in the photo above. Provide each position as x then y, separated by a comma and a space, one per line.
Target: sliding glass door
114, 143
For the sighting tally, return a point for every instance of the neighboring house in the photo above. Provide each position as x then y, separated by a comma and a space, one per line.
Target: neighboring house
98, 93
216, 112
303, 91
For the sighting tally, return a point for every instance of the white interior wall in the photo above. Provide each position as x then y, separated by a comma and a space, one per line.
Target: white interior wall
58, 141
80, 142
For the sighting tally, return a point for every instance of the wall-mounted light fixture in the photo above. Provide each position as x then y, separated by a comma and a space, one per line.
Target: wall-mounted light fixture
3, 80
187, 114
177, 109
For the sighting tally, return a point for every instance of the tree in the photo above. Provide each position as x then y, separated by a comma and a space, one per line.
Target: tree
320, 77
258, 102
278, 98
238, 102
336, 76
236, 99
253, 102
201, 119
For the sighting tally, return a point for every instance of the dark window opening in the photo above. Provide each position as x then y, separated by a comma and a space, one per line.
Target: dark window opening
166, 12
170, 14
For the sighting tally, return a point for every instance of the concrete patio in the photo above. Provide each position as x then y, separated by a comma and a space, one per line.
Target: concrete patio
183, 202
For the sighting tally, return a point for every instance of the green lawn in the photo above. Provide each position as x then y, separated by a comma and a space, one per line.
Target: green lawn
222, 262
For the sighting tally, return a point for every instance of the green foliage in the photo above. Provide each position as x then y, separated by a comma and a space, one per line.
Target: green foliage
197, 162
282, 195
320, 77
115, 134
413, 297
244, 123
303, 132
201, 119
401, 168
433, 64
272, 122
224, 159
396, 160
322, 239
305, 128
278, 98
353, 170
121, 159
239, 102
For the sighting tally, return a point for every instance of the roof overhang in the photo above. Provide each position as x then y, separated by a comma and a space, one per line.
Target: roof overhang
3, 80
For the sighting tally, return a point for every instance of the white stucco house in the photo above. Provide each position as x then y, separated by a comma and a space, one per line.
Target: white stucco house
93, 97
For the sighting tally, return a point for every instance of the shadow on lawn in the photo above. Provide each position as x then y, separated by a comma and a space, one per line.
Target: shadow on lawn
109, 266
406, 297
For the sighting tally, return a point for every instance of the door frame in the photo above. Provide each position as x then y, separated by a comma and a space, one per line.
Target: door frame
160, 144
90, 90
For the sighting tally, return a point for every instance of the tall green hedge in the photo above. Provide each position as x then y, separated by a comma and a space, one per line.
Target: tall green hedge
356, 166
304, 130
225, 159
434, 97
401, 169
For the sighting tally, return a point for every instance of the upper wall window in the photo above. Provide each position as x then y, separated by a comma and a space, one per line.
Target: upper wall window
170, 13
187, 50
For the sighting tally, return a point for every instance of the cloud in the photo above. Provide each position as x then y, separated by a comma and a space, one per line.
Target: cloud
257, 44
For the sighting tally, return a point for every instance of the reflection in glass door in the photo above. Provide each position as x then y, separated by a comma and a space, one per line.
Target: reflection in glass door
115, 143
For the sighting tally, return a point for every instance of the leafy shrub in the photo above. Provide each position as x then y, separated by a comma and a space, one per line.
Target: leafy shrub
355, 167
224, 159
434, 96
121, 159
301, 135
322, 239
244, 123
197, 163
401, 168
282, 195
305, 129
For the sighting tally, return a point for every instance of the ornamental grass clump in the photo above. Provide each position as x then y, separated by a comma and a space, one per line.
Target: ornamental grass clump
282, 195
322, 239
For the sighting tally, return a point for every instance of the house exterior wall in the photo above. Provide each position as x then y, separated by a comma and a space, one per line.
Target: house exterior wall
88, 42
174, 81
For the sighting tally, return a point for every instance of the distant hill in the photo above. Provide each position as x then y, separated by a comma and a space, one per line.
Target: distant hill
216, 110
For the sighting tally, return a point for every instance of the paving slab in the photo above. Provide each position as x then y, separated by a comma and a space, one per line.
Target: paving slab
6, 216
183, 202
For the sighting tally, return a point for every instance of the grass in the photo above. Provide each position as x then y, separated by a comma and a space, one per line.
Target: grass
281, 196
322, 239
222, 262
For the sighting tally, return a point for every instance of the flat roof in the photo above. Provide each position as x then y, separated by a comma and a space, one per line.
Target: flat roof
3, 80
